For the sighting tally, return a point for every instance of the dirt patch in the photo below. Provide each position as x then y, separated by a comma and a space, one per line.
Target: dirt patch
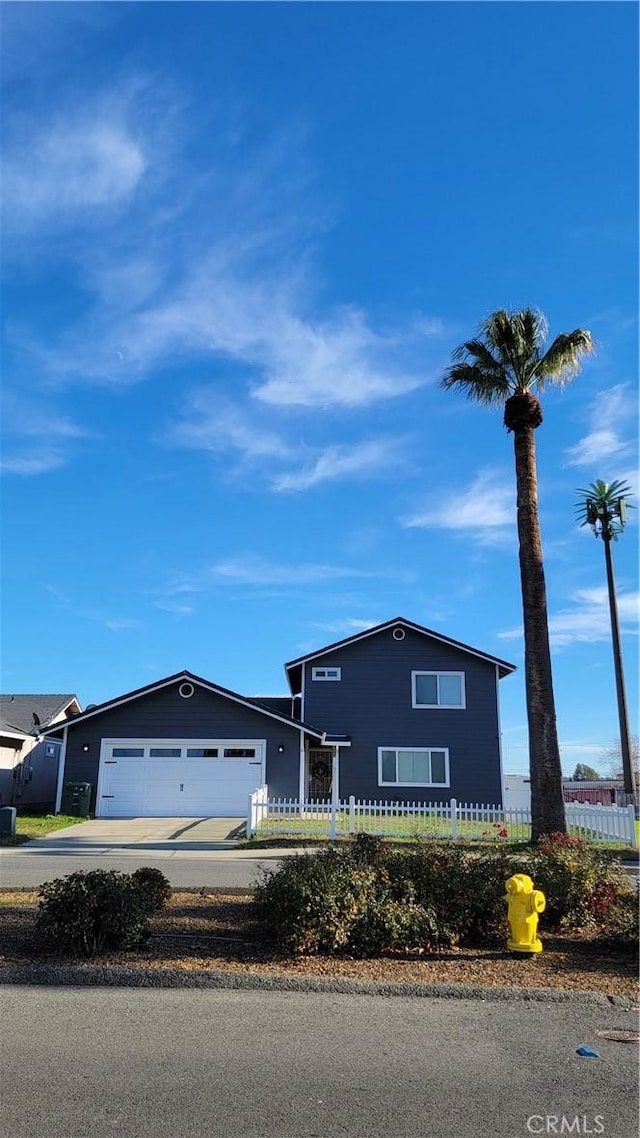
216, 931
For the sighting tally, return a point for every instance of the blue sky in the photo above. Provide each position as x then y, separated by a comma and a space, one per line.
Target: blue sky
240, 244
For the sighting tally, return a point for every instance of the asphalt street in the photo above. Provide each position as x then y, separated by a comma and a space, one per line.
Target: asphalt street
146, 1063
30, 865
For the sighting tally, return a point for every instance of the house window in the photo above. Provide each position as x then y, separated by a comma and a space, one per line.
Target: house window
438, 689
416, 766
326, 673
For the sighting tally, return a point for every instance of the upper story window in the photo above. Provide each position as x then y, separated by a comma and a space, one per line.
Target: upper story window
326, 673
438, 689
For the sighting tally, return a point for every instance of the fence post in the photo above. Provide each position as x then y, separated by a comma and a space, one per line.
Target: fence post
352, 814
631, 814
334, 813
250, 815
453, 806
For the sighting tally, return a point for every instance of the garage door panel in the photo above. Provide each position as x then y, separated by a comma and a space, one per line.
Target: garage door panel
185, 787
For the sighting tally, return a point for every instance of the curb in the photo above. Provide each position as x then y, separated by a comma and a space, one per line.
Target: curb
86, 976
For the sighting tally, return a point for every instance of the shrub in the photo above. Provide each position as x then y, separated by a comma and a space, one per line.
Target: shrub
366, 897
92, 912
155, 888
620, 926
336, 902
579, 880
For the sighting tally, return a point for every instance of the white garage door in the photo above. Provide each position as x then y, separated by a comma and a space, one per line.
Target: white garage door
186, 778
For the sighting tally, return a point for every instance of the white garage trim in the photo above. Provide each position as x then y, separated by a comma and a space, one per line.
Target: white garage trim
146, 745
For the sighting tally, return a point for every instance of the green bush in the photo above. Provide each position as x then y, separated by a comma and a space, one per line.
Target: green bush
366, 897
579, 880
334, 902
620, 928
96, 911
154, 886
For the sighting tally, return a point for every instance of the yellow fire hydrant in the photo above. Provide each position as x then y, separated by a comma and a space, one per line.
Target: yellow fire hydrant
525, 903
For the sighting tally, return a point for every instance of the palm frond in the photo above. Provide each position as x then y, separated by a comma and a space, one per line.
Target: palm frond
518, 339
489, 388
561, 363
534, 330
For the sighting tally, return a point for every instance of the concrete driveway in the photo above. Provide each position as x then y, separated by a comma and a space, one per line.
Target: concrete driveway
110, 834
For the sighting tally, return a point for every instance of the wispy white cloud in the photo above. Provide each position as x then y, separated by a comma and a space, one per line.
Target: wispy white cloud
604, 442
230, 307
587, 621
75, 167
28, 418
337, 463
255, 570
175, 608
485, 509
213, 425
41, 461
349, 625
118, 625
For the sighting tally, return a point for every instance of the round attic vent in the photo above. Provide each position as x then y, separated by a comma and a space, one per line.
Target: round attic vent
398, 634
186, 690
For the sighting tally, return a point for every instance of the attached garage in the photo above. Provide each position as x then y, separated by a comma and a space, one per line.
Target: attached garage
188, 778
182, 747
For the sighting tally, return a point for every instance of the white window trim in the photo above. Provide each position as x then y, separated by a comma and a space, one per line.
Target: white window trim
321, 673
426, 750
438, 706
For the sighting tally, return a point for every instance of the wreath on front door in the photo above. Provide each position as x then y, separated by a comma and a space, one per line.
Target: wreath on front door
320, 770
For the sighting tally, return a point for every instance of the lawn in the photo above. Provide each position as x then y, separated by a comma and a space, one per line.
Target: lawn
317, 825
30, 826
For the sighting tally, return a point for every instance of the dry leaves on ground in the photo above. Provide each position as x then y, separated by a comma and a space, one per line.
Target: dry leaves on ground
216, 931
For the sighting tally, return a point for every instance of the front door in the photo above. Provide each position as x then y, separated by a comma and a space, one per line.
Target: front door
319, 781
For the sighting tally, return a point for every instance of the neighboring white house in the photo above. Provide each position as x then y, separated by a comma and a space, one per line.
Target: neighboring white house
29, 763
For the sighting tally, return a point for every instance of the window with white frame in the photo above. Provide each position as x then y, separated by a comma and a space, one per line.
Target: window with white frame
326, 673
438, 689
413, 766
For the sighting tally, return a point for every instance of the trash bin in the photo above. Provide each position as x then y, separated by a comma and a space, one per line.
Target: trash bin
8, 821
75, 799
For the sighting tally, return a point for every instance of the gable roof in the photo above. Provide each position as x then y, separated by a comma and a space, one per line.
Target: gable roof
504, 668
17, 711
185, 676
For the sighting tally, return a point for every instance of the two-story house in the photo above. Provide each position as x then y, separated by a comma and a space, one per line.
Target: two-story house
396, 712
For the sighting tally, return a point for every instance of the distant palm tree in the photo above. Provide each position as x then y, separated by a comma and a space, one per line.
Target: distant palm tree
604, 506
503, 366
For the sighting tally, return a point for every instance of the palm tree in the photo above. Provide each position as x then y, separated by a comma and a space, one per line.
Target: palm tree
504, 366
603, 506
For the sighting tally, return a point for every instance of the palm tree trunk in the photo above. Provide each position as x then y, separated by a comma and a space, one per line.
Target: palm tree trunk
547, 803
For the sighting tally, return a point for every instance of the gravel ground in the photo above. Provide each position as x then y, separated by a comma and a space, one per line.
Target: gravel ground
215, 932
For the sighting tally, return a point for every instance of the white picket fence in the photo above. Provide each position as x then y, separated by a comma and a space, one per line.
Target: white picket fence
287, 816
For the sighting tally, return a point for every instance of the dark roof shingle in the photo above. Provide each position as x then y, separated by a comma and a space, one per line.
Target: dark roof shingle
17, 711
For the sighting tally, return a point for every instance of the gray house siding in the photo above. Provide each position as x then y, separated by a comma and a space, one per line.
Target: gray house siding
164, 714
372, 703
